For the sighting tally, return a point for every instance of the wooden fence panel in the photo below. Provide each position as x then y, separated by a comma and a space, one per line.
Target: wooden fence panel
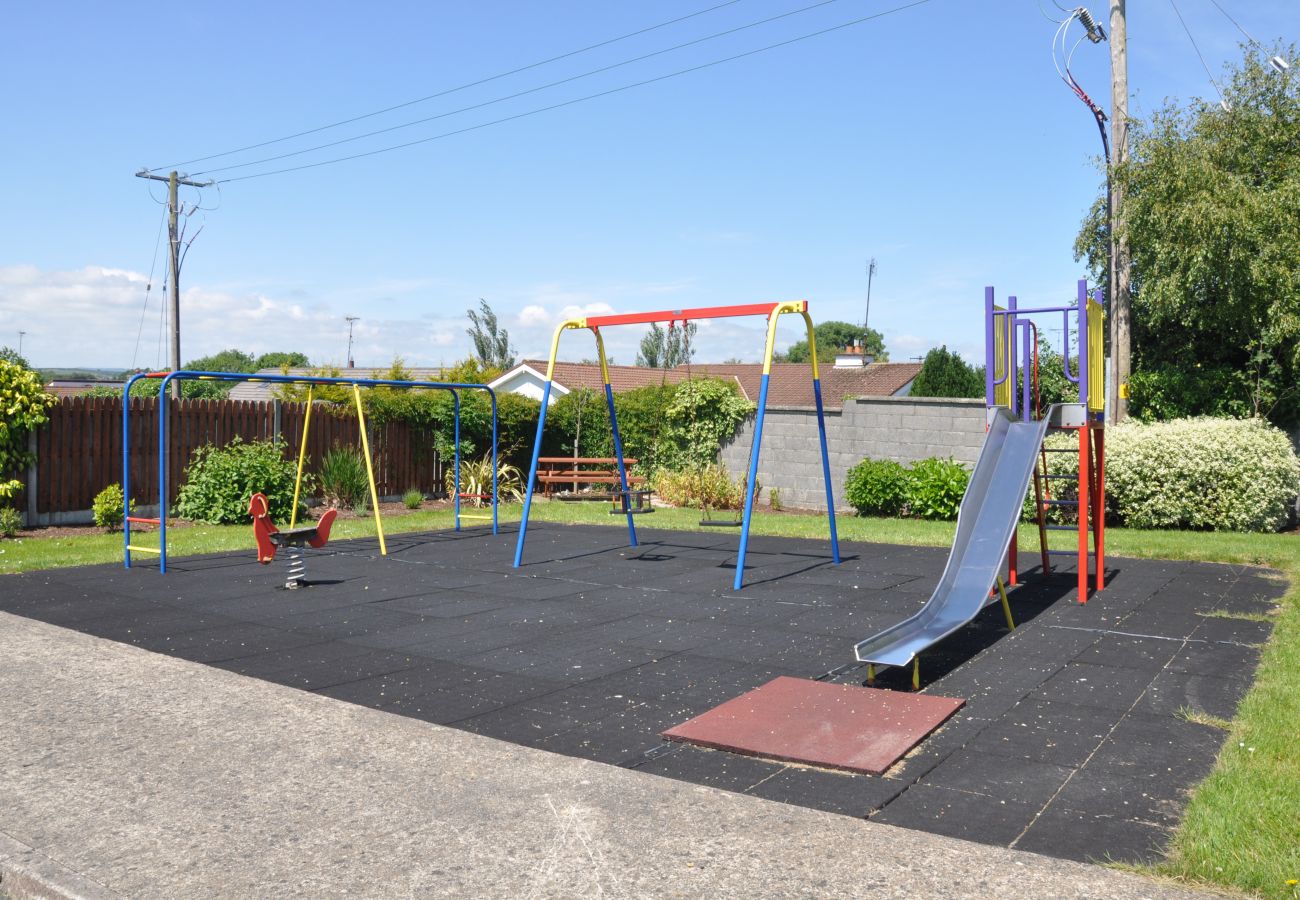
79, 450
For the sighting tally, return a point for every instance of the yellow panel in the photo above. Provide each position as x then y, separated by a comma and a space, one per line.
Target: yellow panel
1001, 325
1096, 356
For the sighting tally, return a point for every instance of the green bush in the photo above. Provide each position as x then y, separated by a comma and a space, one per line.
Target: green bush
935, 488
107, 507
877, 487
709, 486
945, 374
10, 521
929, 488
23, 402
412, 499
1219, 474
220, 481
476, 480
343, 478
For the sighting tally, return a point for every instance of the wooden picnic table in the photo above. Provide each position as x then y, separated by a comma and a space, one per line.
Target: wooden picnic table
579, 470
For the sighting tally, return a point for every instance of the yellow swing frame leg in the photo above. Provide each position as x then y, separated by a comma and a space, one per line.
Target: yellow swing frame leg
302, 458
370, 470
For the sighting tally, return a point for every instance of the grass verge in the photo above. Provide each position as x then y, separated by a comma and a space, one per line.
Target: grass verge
1240, 829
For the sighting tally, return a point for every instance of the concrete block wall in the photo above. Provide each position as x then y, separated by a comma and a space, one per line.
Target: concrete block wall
900, 428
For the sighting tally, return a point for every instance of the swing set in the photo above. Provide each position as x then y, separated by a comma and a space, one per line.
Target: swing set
311, 382
630, 502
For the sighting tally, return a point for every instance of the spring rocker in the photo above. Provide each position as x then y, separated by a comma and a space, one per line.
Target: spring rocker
270, 539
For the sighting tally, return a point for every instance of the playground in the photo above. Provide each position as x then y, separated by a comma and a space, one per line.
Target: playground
1070, 742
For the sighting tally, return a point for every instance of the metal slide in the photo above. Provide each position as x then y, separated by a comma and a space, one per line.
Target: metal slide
987, 519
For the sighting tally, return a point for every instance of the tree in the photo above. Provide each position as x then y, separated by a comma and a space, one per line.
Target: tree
225, 361
9, 354
832, 337
25, 405
491, 341
666, 348
281, 359
946, 374
1212, 215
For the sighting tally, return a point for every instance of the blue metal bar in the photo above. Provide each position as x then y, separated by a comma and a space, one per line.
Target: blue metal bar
495, 528
826, 471
164, 410
532, 473
750, 480
126, 469
622, 469
455, 484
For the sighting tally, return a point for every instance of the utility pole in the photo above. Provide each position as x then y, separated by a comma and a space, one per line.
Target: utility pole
1120, 307
174, 180
871, 271
350, 320
20, 342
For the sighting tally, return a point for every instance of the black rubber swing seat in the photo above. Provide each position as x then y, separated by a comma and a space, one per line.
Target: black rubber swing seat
721, 523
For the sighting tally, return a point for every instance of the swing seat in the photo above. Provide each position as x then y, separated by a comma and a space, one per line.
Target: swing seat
631, 503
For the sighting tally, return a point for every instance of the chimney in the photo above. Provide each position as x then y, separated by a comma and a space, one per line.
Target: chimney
852, 358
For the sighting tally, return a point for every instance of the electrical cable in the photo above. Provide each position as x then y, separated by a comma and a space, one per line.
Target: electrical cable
1204, 65
1234, 22
462, 87
147, 288
523, 93
605, 93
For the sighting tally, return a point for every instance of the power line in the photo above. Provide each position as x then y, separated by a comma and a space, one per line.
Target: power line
1234, 22
523, 93
606, 93
1204, 66
462, 87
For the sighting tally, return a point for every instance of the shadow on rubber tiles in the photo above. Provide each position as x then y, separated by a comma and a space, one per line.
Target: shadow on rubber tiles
1071, 742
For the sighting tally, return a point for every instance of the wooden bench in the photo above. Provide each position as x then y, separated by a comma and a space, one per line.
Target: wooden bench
589, 470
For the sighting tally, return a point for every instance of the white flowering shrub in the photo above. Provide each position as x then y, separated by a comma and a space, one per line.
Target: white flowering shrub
1204, 473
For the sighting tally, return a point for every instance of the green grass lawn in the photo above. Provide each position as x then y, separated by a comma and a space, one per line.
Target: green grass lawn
1242, 827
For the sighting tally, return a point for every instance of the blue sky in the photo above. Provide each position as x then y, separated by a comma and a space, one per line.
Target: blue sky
938, 140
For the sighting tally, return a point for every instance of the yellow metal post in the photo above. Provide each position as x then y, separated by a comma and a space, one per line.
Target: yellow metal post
1006, 605
302, 458
370, 470
916, 673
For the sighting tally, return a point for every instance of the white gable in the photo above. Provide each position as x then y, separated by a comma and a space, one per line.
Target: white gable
524, 379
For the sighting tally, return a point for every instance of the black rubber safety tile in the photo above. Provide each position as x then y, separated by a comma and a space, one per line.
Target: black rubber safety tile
689, 677
474, 643
951, 738
836, 792
972, 817
346, 622
1146, 654
444, 707
402, 636
1003, 777
1233, 631
1106, 687
226, 642
539, 660
1159, 623
1081, 835
520, 723
713, 768
1205, 658
136, 628
313, 677
400, 686
1047, 732
1173, 692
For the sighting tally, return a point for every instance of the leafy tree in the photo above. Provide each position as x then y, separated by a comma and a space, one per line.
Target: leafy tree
1212, 217
491, 341
225, 361
946, 374
833, 337
24, 401
665, 348
9, 354
281, 359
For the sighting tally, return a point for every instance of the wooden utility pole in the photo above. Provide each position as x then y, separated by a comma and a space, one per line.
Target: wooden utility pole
1120, 308
174, 180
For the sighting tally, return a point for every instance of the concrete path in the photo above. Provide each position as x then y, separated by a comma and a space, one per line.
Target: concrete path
126, 773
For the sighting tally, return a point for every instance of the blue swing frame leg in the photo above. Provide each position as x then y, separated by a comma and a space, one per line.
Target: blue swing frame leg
532, 473
749, 483
826, 472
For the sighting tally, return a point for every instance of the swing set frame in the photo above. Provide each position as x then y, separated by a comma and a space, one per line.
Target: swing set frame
772, 312
311, 381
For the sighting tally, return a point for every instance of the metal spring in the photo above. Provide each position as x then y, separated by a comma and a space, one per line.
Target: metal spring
297, 567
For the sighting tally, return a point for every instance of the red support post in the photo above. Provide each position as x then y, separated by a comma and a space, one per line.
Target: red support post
1099, 506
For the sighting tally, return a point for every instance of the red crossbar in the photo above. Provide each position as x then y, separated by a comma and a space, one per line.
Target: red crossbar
685, 315
144, 521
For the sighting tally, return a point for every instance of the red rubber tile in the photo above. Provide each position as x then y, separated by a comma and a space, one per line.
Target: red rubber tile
835, 726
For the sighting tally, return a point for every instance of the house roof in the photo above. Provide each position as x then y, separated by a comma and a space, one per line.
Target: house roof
76, 388
790, 384
266, 390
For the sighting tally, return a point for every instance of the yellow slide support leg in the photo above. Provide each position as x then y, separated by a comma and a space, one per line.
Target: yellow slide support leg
1006, 605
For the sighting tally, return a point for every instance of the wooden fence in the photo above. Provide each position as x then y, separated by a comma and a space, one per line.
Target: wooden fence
79, 450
